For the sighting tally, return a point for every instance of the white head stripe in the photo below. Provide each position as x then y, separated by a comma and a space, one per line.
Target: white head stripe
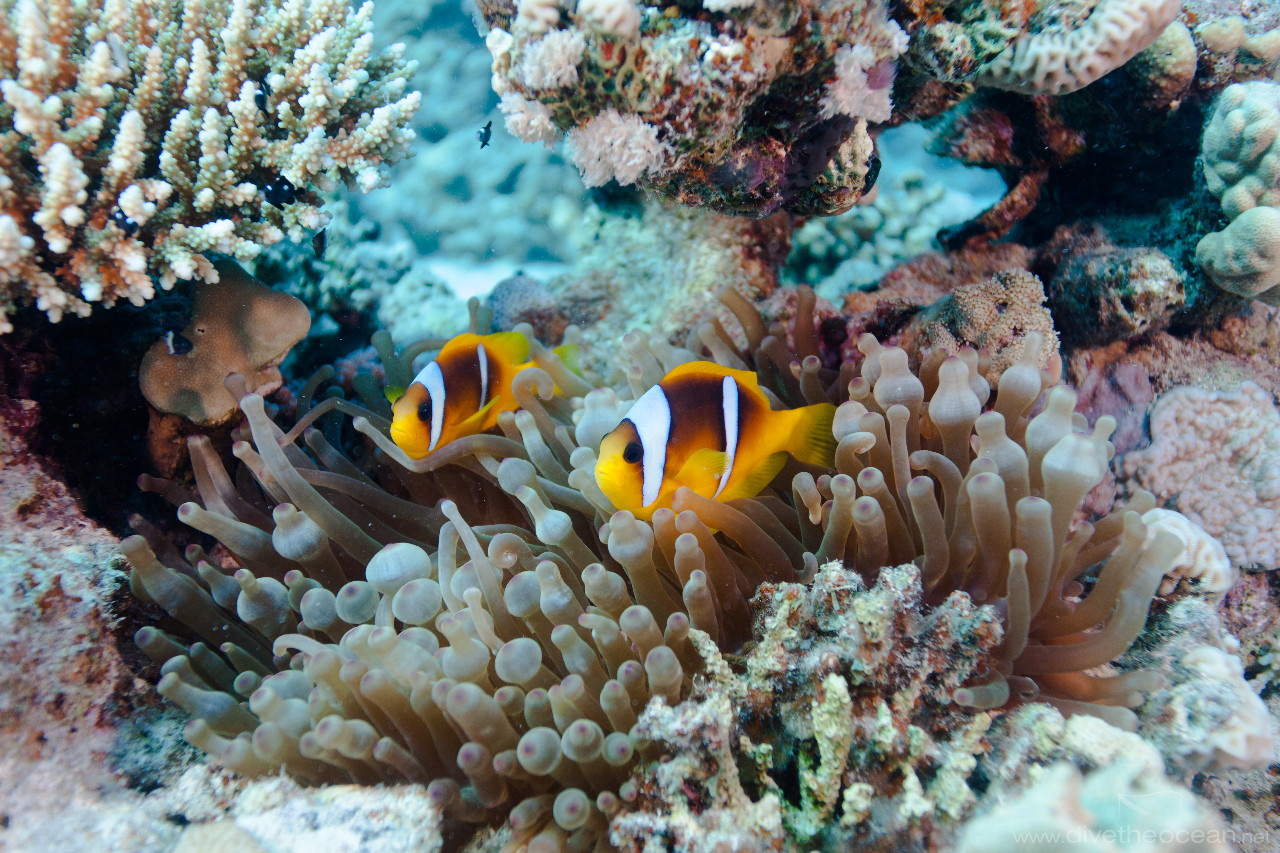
433, 380
484, 374
729, 403
651, 415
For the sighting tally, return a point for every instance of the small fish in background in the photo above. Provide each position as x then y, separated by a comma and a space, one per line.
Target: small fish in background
485, 133
710, 428
462, 391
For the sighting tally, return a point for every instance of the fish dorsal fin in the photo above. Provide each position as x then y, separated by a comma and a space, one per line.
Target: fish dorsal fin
746, 378
511, 347
571, 357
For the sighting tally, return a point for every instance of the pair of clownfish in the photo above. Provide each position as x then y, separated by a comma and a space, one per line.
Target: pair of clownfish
703, 426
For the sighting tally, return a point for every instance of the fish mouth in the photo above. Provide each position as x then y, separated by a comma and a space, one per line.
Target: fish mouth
404, 439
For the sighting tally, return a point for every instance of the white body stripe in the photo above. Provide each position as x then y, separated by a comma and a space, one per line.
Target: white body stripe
729, 404
484, 374
651, 415
432, 379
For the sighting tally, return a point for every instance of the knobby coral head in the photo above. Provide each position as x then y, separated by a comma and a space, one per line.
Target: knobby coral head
486, 621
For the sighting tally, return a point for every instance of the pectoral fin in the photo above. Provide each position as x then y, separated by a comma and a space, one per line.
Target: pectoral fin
477, 422
704, 463
749, 483
511, 347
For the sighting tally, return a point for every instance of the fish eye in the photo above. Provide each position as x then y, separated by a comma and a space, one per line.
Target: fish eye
424, 411
632, 453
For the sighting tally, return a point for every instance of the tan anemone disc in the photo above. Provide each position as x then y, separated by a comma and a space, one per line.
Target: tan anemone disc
238, 325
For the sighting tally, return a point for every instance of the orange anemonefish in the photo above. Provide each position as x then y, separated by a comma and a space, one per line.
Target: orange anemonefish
710, 428
461, 392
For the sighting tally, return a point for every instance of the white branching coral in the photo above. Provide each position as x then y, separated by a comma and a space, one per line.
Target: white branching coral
615, 18
138, 135
528, 120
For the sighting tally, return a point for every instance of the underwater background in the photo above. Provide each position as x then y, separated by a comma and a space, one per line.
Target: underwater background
728, 425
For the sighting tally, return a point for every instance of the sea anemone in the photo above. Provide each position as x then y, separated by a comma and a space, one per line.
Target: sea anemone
481, 619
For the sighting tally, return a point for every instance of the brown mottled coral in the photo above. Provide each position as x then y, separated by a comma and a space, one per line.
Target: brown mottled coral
676, 101
238, 325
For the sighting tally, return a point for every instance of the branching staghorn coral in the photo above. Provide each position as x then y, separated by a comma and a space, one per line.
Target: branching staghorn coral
456, 620
142, 135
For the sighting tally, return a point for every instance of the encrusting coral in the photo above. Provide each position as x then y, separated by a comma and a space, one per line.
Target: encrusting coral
994, 315
142, 135
455, 620
843, 681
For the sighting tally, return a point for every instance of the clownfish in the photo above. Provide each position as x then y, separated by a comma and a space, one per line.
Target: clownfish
461, 392
710, 428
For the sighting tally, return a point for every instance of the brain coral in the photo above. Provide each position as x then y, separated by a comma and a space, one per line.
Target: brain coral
138, 136
1070, 45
